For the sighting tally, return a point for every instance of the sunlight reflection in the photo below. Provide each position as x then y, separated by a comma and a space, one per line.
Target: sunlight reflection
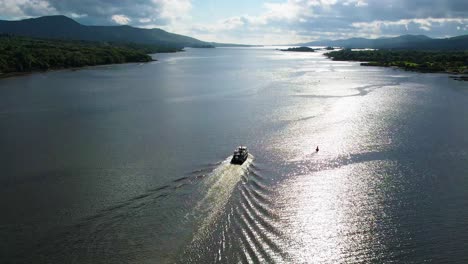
331, 204
334, 214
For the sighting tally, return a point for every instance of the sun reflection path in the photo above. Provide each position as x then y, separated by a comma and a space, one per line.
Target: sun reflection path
332, 216
332, 203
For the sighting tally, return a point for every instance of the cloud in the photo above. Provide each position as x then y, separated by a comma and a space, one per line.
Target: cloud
355, 3
16, 9
424, 24
145, 20
306, 20
121, 19
75, 15
290, 10
173, 9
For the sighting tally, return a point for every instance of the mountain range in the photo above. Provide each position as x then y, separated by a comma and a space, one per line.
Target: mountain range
420, 42
62, 27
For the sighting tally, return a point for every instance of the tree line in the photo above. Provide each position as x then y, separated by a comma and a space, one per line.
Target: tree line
425, 61
23, 54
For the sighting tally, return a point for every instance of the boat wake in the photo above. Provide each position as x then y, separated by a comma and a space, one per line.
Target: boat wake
220, 184
235, 219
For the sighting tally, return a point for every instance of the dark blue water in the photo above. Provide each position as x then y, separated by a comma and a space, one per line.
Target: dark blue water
130, 163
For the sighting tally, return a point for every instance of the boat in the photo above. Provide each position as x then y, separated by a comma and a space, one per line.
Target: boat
240, 155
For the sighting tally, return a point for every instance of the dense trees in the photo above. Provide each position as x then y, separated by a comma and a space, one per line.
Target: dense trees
20, 54
425, 61
300, 49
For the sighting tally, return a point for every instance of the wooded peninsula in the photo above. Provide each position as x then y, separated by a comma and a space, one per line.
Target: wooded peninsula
412, 60
24, 54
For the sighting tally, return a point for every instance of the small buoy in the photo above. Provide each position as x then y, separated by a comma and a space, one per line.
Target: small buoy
317, 149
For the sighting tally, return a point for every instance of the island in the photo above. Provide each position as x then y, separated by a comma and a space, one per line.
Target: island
453, 62
299, 49
24, 54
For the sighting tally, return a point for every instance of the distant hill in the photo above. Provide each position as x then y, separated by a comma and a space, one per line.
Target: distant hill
419, 42
62, 27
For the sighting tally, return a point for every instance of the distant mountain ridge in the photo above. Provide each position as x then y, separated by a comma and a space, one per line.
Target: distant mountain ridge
62, 27
401, 42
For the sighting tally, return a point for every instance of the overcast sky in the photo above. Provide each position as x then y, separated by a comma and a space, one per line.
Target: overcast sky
261, 22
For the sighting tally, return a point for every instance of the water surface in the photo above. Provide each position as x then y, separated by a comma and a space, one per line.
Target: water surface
130, 163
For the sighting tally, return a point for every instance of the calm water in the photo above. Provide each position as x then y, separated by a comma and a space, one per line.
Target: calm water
129, 163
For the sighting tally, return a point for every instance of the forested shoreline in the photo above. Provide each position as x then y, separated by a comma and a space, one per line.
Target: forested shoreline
24, 54
412, 60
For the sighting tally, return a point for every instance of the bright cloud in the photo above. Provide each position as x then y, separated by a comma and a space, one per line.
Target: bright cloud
425, 24
121, 19
173, 9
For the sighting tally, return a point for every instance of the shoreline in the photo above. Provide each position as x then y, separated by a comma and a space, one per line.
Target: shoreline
458, 76
20, 74
23, 55
452, 63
